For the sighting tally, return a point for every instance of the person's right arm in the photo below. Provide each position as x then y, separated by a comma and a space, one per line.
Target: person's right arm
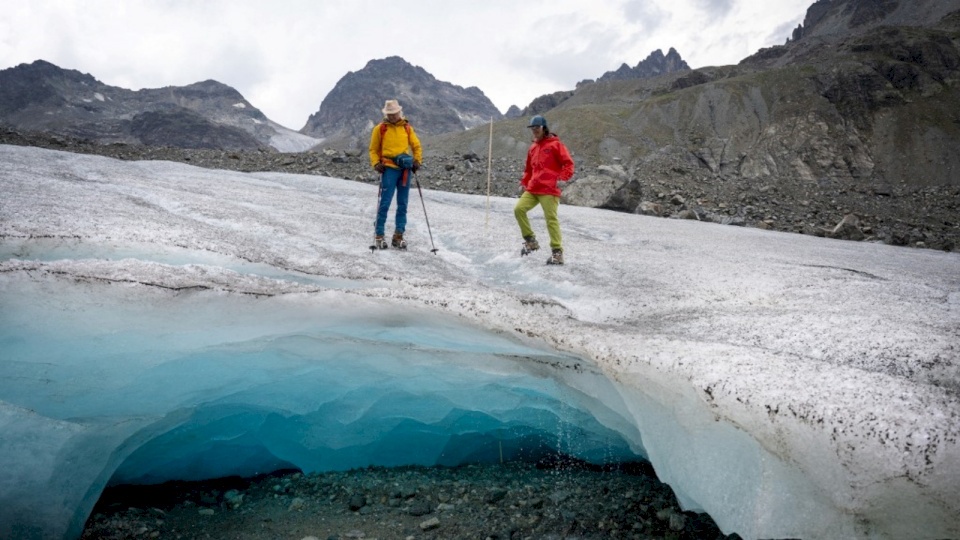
374, 149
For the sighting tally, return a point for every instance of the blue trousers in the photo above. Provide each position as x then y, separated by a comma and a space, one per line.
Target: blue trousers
390, 183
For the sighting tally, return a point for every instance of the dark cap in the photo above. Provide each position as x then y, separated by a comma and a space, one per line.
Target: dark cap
538, 121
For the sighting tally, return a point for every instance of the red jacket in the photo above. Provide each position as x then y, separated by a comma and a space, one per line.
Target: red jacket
547, 162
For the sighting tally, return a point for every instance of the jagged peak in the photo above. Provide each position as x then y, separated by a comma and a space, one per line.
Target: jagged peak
41, 64
209, 83
211, 86
655, 54
389, 59
656, 63
43, 67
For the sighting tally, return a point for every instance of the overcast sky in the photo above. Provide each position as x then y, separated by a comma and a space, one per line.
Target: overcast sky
285, 56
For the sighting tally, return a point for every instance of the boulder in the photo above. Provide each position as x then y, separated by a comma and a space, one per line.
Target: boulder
609, 187
648, 208
847, 229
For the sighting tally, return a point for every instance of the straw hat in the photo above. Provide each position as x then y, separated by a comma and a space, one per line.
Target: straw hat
391, 107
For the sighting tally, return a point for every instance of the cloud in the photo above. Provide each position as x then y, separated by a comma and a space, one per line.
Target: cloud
715, 9
286, 56
644, 14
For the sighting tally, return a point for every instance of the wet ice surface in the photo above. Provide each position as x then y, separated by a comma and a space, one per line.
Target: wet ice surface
788, 385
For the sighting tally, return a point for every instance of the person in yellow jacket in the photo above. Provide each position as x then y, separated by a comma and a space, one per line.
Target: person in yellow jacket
395, 153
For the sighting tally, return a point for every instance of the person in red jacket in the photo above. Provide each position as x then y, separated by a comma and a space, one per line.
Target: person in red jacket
548, 161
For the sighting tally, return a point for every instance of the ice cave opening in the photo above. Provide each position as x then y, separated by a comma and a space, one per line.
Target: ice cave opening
137, 385
388, 393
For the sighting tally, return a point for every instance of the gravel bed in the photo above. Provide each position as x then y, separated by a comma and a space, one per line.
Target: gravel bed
561, 500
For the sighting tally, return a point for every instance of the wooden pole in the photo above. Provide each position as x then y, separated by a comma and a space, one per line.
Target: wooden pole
489, 172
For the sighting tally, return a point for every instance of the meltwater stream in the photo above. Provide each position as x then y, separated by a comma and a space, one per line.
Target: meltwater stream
114, 383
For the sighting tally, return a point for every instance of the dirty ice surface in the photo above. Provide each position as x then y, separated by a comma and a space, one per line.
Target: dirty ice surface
162, 321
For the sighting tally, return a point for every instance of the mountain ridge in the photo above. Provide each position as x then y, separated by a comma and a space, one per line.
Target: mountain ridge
348, 113
656, 63
41, 96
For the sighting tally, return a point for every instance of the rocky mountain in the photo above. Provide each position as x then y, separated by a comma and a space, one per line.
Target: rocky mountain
830, 21
352, 108
842, 125
841, 18
546, 102
43, 97
653, 65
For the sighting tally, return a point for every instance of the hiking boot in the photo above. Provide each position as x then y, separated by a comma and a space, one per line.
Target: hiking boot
556, 258
529, 244
398, 241
379, 242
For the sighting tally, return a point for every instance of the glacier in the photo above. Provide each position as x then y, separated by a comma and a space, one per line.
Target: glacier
287, 140
160, 321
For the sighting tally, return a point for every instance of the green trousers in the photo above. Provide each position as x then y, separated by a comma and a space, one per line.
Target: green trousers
549, 203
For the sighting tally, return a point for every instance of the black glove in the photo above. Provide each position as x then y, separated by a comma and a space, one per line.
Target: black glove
379, 168
416, 167
521, 190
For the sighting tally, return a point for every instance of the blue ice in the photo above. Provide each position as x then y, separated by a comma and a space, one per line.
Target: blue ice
141, 386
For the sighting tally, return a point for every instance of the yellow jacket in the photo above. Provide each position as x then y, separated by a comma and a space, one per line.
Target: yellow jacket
395, 142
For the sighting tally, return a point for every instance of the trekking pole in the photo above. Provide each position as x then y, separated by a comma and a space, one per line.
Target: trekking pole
373, 248
417, 180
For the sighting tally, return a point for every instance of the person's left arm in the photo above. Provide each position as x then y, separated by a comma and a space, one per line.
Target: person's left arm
565, 162
417, 149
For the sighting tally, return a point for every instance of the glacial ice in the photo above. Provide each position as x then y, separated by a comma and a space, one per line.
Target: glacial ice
288, 140
212, 385
161, 321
